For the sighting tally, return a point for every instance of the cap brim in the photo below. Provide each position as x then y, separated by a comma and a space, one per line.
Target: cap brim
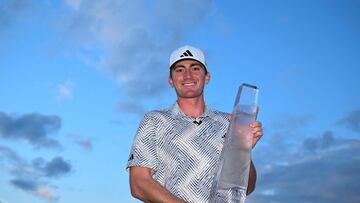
172, 66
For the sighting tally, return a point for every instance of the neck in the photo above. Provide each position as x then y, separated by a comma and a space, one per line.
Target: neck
193, 107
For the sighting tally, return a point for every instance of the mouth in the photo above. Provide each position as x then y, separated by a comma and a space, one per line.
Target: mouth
189, 84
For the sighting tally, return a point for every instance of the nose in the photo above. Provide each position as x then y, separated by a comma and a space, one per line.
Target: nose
188, 73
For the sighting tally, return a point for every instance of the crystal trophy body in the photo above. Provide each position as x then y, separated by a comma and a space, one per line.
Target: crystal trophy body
231, 179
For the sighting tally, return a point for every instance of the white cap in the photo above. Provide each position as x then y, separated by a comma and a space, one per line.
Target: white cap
187, 52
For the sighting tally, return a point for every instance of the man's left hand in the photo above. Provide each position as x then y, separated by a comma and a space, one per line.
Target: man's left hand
257, 131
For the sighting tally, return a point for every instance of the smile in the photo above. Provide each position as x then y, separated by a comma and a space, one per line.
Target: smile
189, 84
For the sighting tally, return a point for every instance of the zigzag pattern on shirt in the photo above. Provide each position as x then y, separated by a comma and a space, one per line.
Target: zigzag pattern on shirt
183, 154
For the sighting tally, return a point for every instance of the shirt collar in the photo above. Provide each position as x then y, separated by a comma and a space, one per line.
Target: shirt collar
176, 111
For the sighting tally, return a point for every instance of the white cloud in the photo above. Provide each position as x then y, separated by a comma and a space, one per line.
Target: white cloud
10, 11
45, 193
86, 144
135, 38
130, 106
65, 91
3, 201
75, 4
34, 128
351, 120
34, 176
291, 121
318, 166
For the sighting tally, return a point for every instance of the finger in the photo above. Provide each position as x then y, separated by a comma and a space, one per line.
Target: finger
257, 131
255, 124
256, 139
257, 135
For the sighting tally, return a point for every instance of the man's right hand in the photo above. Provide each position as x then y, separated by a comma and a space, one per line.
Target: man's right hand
146, 189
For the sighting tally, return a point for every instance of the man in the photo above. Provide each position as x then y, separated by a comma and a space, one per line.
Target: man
176, 150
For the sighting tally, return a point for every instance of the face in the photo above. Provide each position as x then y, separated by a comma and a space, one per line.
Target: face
189, 78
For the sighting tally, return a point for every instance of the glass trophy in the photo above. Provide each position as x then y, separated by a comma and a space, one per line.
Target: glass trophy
231, 179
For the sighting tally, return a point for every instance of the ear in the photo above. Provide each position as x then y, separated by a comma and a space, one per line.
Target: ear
207, 77
171, 83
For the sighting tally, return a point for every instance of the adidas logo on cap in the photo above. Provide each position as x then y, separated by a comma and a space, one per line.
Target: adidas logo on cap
187, 52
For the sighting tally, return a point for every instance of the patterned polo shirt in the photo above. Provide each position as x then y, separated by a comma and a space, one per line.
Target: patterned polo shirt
183, 151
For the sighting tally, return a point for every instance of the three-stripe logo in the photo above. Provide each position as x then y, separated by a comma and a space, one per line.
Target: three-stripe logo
186, 53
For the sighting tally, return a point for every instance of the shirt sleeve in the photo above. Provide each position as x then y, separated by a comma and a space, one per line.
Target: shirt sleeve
143, 152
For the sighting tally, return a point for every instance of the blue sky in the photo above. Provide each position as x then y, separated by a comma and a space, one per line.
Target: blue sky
76, 77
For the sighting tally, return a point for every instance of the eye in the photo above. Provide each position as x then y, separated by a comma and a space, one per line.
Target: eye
196, 68
179, 69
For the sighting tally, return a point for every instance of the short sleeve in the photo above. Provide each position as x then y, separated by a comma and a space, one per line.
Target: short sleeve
143, 151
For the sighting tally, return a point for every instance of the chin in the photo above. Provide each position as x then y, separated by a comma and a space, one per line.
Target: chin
190, 95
